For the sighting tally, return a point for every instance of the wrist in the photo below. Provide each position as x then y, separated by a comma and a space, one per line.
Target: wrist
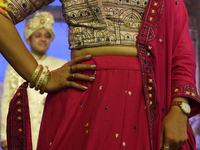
40, 78
182, 106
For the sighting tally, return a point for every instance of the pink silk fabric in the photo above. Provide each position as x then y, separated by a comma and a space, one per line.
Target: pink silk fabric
110, 114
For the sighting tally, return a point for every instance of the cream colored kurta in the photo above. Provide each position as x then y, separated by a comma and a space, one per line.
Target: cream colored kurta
36, 101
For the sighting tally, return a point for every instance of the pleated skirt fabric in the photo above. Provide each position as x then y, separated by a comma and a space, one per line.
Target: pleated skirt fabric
110, 115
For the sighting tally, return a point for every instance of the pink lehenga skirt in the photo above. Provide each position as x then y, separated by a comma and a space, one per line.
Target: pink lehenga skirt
109, 115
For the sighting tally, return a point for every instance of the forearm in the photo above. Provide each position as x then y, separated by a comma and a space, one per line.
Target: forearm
14, 50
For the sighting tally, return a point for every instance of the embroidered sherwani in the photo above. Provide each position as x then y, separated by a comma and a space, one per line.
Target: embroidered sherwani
165, 53
36, 100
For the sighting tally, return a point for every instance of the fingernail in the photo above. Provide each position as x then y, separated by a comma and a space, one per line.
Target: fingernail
93, 66
85, 87
88, 56
92, 77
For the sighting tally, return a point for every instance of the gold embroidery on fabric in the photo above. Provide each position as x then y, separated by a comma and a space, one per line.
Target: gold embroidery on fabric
103, 22
3, 7
18, 10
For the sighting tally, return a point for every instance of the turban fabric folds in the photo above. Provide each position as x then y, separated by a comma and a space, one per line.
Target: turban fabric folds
40, 20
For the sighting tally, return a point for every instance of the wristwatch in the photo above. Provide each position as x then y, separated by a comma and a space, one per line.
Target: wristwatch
185, 107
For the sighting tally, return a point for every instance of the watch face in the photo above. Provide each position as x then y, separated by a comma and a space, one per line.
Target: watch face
185, 107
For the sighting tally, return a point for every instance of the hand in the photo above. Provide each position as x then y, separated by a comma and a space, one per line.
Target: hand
60, 78
174, 129
4, 145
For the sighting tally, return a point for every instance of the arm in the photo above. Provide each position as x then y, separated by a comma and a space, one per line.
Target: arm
174, 124
12, 47
14, 50
174, 127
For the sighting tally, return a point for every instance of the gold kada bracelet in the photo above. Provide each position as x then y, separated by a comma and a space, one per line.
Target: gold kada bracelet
41, 79
44, 83
34, 76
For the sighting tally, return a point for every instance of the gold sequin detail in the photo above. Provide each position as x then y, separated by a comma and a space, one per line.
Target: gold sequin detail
18, 102
129, 93
188, 93
155, 4
150, 102
107, 32
149, 47
87, 131
176, 90
128, 24
117, 135
19, 16
150, 95
150, 80
124, 144
151, 19
20, 130
101, 87
18, 94
77, 30
19, 118
87, 125
153, 11
71, 37
19, 110
149, 88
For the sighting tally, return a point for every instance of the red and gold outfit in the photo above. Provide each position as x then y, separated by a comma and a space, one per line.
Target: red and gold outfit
110, 113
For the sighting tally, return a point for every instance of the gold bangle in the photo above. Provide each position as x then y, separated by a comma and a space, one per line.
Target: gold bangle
41, 78
34, 76
44, 84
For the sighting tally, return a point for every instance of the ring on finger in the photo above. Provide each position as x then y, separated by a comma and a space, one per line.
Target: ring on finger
71, 77
72, 69
166, 147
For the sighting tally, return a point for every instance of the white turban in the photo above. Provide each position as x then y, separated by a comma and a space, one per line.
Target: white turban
40, 20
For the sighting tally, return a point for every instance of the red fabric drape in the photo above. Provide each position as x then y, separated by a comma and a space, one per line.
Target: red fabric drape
18, 121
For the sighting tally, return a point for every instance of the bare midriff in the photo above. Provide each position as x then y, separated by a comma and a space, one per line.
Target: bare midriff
105, 51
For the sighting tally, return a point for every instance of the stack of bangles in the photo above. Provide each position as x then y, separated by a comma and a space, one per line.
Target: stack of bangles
40, 82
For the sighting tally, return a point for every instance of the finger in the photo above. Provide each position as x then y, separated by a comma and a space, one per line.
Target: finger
176, 145
76, 86
166, 147
78, 60
166, 142
78, 76
82, 67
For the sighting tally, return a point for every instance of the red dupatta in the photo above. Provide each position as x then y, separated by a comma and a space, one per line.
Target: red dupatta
18, 121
